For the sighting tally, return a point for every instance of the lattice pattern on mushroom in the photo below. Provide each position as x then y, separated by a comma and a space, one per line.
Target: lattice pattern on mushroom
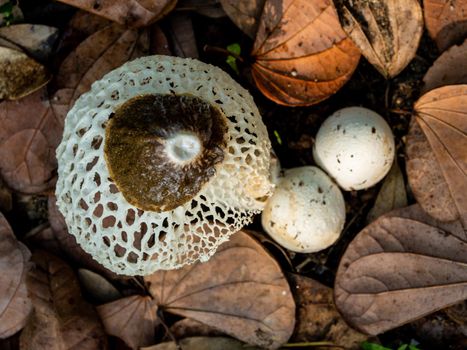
132, 241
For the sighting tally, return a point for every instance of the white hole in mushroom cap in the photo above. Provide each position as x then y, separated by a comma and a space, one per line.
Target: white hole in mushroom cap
183, 147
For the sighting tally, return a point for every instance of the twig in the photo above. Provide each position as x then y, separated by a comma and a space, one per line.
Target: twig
312, 344
160, 316
225, 52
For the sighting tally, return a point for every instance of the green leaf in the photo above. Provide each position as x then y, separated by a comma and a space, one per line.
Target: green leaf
372, 346
234, 49
402, 347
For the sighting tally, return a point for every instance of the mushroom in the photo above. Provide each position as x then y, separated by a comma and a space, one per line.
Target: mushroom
160, 162
355, 146
306, 213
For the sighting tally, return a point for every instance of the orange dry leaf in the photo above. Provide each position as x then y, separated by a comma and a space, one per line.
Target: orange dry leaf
302, 55
403, 261
131, 13
446, 21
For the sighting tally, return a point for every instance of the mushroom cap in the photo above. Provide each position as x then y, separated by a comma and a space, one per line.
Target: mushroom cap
306, 213
127, 233
355, 146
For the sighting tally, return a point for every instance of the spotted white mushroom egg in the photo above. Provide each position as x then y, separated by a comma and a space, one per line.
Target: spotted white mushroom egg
355, 146
161, 161
306, 213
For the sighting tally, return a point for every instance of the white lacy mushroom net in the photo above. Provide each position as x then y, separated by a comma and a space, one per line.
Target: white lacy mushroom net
131, 241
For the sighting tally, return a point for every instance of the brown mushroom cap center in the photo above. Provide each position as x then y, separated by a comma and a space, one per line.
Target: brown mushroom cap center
161, 149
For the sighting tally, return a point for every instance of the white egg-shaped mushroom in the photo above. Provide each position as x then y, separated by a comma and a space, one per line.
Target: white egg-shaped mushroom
306, 213
355, 146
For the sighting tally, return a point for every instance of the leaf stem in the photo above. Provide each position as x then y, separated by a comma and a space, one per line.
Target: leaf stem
220, 50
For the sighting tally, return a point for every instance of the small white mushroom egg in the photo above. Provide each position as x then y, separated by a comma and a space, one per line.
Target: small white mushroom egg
306, 213
355, 146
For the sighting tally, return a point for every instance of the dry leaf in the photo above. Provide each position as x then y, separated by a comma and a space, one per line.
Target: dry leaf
244, 13
98, 287
442, 116
208, 8
188, 327
61, 319
101, 52
446, 21
302, 55
130, 13
15, 305
317, 317
36, 40
5, 197
450, 68
182, 36
29, 134
132, 319
240, 291
203, 343
392, 194
399, 269
19, 74
386, 31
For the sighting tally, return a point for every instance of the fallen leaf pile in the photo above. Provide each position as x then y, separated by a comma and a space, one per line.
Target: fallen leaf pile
407, 262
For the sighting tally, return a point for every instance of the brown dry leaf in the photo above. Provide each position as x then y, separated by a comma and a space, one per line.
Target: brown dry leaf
244, 13
36, 40
97, 286
240, 291
29, 134
302, 55
399, 269
208, 8
101, 52
450, 68
446, 21
442, 116
182, 35
130, 13
203, 343
6, 202
317, 317
386, 31
132, 319
392, 194
19, 74
15, 305
188, 327
61, 319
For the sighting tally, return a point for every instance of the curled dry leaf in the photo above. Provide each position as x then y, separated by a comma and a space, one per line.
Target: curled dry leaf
392, 194
401, 263
98, 287
61, 319
302, 55
446, 21
132, 319
130, 13
15, 305
6, 202
244, 13
386, 31
240, 291
19, 74
101, 52
317, 317
450, 68
203, 343
441, 115
29, 134
36, 40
